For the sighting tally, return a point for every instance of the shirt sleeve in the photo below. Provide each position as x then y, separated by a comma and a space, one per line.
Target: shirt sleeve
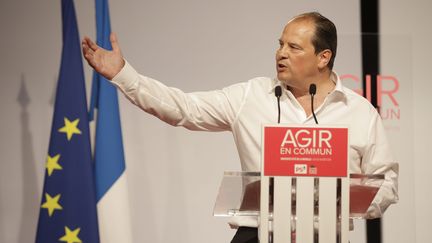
205, 111
378, 159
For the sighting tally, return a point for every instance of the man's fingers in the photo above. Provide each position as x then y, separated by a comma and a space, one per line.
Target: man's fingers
85, 48
91, 61
88, 54
114, 42
90, 43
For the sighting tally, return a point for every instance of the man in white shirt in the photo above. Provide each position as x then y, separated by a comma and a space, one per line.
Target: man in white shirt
305, 56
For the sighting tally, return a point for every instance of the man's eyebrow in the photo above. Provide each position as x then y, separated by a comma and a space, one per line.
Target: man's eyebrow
293, 44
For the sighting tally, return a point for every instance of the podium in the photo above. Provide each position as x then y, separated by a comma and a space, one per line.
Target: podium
240, 194
303, 193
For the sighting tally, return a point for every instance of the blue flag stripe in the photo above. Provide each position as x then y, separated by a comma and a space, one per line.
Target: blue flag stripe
109, 154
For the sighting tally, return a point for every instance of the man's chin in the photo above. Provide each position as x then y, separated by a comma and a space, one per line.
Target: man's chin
283, 78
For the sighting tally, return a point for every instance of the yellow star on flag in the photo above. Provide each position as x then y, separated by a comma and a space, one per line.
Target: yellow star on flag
52, 203
71, 236
52, 164
70, 128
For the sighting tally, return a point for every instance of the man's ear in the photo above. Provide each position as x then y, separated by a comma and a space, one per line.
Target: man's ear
324, 58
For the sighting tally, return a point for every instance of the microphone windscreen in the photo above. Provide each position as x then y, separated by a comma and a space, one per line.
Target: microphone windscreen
278, 91
312, 89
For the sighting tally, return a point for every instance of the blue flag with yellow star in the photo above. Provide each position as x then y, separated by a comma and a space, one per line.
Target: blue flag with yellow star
68, 208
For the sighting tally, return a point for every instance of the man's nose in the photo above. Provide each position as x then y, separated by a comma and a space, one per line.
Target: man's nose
282, 53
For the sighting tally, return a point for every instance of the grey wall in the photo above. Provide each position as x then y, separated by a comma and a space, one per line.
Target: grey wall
412, 20
194, 45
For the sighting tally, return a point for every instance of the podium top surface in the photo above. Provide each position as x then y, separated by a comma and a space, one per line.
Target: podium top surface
239, 194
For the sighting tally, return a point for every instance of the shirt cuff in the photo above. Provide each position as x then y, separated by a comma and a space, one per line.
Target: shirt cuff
126, 77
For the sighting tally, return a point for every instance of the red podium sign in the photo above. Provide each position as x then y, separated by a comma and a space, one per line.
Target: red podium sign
305, 151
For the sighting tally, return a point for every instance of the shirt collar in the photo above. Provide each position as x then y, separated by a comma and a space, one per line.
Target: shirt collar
339, 88
274, 84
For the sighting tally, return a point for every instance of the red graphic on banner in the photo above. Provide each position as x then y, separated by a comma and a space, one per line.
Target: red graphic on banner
305, 151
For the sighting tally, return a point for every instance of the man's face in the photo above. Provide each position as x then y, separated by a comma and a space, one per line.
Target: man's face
296, 62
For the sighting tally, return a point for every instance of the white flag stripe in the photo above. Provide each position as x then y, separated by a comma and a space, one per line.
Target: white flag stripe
113, 214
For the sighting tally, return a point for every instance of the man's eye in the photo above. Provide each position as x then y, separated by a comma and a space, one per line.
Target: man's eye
295, 47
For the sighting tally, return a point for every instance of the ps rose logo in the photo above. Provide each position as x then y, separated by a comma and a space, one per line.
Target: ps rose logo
300, 169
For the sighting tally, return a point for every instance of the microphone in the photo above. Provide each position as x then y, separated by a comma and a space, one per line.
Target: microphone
278, 94
312, 92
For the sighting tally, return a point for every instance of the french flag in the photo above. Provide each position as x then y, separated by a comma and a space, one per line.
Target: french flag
110, 169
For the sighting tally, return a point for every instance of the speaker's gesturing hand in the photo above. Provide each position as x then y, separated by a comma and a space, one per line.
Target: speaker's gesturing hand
107, 63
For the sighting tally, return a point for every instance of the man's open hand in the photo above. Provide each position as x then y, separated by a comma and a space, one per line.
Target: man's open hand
107, 63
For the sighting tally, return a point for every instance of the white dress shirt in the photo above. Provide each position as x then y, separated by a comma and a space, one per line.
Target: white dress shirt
244, 107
